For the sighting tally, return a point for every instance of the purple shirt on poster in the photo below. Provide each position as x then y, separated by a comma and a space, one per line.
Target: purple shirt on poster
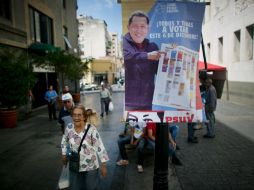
139, 74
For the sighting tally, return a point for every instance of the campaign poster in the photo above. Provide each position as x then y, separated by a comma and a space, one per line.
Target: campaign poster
166, 89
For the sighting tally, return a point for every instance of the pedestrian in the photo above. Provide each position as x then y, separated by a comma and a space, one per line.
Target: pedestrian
51, 97
149, 142
174, 129
91, 150
64, 117
203, 76
105, 99
191, 131
141, 63
66, 89
30, 99
210, 107
132, 136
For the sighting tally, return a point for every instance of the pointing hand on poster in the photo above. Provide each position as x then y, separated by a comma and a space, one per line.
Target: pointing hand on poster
154, 55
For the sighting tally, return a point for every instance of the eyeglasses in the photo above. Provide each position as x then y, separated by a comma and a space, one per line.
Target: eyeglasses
77, 115
68, 101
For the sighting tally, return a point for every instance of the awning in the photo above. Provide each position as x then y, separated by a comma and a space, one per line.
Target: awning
210, 67
43, 48
218, 75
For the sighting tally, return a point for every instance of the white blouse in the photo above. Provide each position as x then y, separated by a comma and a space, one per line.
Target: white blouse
92, 147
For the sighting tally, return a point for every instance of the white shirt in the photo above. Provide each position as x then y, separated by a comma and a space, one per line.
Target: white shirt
92, 147
105, 93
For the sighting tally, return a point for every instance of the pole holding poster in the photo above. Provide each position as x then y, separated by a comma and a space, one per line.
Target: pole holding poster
161, 72
161, 63
160, 179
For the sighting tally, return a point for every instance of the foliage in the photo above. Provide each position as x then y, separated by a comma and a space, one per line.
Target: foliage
77, 69
16, 78
63, 62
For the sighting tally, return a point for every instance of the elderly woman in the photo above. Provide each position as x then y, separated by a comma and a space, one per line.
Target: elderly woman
87, 176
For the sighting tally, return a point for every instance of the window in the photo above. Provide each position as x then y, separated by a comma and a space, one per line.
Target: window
220, 49
250, 41
65, 36
237, 41
5, 9
41, 29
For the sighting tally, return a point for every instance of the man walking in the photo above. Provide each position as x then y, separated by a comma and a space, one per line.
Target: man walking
50, 97
210, 107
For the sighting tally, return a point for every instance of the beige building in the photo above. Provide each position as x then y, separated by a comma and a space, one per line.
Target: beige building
114, 49
128, 6
104, 69
24, 22
38, 25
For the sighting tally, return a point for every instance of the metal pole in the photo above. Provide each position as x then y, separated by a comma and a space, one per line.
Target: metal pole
203, 50
160, 179
227, 84
202, 42
47, 85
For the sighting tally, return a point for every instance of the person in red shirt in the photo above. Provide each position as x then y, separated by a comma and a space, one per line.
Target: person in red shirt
151, 134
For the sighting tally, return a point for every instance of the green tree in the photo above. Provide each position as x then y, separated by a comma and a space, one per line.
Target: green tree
65, 64
16, 78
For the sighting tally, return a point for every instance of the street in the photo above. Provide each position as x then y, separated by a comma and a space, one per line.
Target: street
30, 154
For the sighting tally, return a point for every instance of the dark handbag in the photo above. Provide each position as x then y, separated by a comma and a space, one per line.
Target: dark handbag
74, 157
74, 162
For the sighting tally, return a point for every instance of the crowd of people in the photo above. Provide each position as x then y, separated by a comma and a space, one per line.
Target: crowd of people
81, 137
147, 133
82, 148
83, 151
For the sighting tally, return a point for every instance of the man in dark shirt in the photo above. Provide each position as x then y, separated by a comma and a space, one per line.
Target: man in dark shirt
210, 107
65, 113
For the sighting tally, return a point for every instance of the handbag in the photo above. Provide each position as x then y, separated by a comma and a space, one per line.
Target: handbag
74, 157
63, 181
111, 106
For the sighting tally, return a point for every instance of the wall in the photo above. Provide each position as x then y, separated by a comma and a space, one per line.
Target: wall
128, 6
105, 67
92, 37
226, 19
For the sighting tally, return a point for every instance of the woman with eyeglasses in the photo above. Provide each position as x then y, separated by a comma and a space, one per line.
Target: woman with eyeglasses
91, 150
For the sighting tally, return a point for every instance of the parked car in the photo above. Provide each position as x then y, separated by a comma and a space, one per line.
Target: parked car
89, 87
121, 81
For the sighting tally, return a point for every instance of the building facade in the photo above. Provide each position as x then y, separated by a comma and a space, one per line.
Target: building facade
93, 38
228, 32
95, 41
114, 49
39, 24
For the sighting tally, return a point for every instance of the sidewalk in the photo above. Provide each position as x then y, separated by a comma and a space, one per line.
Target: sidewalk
30, 153
226, 162
137, 181
237, 117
